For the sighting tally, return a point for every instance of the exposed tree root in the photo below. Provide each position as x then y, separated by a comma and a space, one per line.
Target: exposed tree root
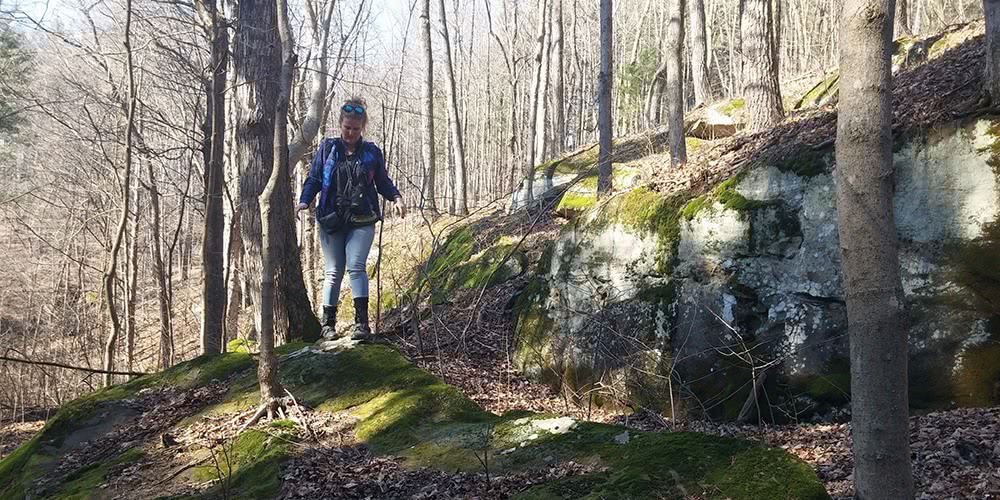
281, 408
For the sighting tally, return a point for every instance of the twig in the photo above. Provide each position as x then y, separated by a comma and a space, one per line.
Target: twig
182, 469
70, 367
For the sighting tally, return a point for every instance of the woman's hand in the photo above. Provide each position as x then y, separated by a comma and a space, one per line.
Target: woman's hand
400, 207
301, 207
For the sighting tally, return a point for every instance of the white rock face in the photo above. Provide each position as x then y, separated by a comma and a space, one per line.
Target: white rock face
944, 187
769, 277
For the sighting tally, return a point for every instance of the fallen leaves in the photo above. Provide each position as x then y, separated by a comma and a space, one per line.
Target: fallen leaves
355, 473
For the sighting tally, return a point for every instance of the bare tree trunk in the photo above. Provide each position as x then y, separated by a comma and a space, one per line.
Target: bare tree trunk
234, 278
186, 248
428, 111
112, 267
541, 121
267, 372
213, 293
991, 8
656, 94
457, 139
255, 95
131, 288
558, 97
701, 77
903, 18
318, 75
604, 184
159, 270
536, 85
875, 304
761, 91
775, 42
675, 81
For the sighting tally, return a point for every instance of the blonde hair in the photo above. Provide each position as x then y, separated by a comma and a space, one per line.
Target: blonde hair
354, 101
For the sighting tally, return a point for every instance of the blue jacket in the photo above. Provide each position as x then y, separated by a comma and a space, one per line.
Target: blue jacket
321, 175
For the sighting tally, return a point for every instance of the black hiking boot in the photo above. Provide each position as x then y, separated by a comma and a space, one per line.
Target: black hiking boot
329, 322
361, 331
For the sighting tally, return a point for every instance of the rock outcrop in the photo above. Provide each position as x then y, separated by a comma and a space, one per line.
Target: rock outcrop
700, 303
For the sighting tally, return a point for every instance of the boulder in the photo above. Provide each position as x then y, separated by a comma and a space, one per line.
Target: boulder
682, 303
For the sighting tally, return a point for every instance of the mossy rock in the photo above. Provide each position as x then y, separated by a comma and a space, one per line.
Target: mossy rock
582, 195
31, 461
679, 465
246, 346
822, 93
457, 265
405, 411
80, 484
249, 466
649, 212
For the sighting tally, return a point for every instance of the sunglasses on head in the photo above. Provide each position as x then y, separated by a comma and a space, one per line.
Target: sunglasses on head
350, 108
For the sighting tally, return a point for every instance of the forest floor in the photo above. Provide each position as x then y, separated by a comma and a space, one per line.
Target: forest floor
466, 341
955, 453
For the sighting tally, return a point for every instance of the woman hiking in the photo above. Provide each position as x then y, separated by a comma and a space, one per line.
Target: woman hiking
347, 172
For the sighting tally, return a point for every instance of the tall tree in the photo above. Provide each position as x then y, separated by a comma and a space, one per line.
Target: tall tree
991, 8
428, 101
319, 75
267, 369
255, 56
558, 86
903, 18
110, 273
541, 116
536, 94
876, 318
213, 291
675, 81
604, 102
700, 76
455, 123
760, 75
159, 270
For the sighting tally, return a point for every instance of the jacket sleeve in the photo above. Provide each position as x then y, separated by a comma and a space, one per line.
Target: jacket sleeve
314, 182
383, 183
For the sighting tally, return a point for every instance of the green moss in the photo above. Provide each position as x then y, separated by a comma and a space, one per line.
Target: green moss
455, 265
249, 467
648, 211
807, 162
733, 105
28, 462
84, 483
406, 411
679, 465
977, 381
692, 144
820, 93
760, 472
695, 206
572, 164
534, 329
940, 46
241, 345
573, 202
832, 388
204, 369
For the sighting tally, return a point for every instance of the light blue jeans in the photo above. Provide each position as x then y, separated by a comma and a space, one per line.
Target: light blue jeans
347, 250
